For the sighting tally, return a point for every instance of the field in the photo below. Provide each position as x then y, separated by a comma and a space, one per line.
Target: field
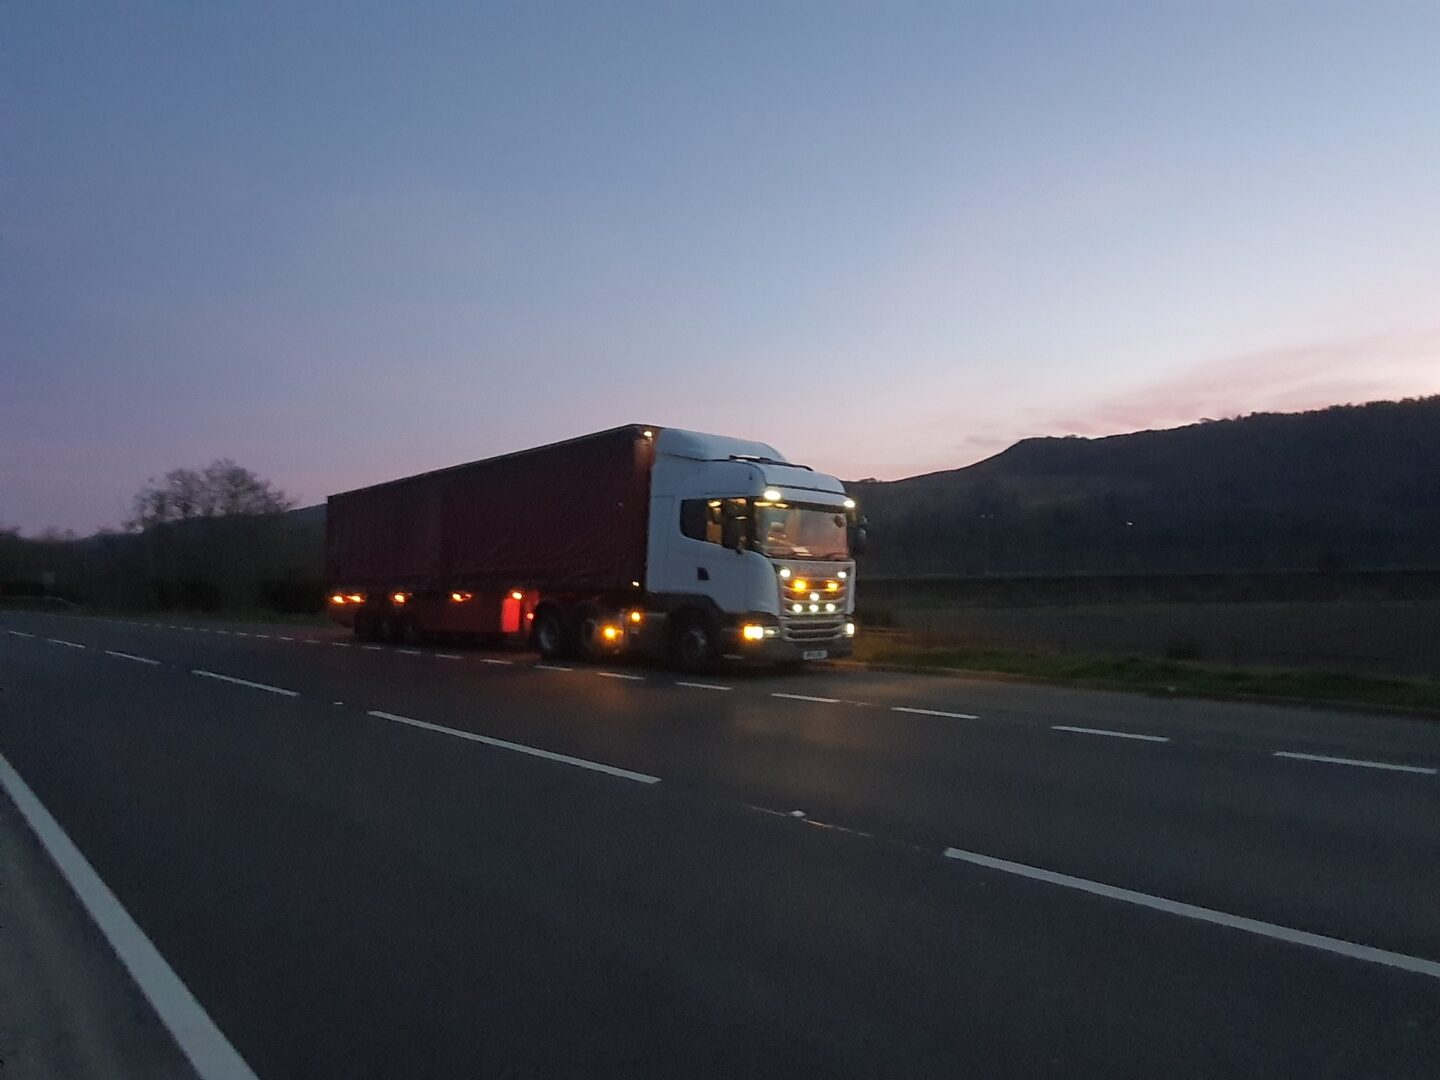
1366, 624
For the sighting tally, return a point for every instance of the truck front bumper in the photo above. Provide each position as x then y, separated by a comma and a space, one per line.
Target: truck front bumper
776, 649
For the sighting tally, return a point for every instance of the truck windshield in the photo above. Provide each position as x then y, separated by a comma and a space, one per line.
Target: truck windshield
804, 532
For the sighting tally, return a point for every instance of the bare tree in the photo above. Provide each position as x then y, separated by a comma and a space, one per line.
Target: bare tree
222, 489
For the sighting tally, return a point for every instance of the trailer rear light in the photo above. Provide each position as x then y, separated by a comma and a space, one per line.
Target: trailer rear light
461, 597
752, 632
399, 598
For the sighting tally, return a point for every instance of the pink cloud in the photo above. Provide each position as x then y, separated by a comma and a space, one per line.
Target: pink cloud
1288, 379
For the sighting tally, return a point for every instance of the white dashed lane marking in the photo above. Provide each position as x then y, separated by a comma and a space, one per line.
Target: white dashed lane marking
67, 644
245, 682
520, 748
620, 675
20, 633
808, 697
551, 667
131, 656
1414, 964
934, 712
704, 686
1111, 734
1355, 761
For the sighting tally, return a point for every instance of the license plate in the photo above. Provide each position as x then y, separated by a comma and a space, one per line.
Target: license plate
815, 654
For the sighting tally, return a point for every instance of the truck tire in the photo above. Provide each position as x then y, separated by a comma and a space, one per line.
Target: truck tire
551, 635
694, 645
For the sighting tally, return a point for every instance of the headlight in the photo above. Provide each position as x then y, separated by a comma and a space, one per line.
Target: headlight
752, 632
849, 629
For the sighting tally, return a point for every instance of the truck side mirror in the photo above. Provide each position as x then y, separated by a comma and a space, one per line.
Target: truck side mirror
859, 536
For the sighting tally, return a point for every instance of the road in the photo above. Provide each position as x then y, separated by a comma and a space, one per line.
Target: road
368, 862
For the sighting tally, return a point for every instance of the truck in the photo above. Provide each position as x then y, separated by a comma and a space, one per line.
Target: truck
640, 539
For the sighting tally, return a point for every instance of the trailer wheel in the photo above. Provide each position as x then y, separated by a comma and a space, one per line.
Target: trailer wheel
387, 628
693, 644
551, 637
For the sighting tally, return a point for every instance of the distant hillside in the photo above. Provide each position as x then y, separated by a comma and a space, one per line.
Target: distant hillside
1349, 487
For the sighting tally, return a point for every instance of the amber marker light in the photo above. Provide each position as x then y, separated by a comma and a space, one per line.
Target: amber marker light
753, 632
357, 598
610, 633
399, 597
337, 599
637, 616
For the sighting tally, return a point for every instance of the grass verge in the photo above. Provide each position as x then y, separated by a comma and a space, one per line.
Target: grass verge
1183, 677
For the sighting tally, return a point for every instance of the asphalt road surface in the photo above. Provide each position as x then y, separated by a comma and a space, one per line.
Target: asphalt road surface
442, 862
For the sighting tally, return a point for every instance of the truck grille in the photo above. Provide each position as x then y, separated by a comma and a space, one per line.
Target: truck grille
803, 628
813, 626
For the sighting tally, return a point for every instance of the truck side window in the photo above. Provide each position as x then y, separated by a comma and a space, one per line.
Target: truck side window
699, 520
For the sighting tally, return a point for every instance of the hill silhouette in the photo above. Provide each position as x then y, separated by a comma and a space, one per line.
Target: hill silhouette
1348, 487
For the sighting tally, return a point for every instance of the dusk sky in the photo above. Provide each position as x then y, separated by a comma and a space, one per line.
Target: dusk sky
346, 243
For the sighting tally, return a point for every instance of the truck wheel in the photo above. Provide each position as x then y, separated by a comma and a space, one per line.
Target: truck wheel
550, 635
693, 645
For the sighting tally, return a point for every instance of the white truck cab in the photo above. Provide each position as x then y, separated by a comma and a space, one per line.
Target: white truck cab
749, 554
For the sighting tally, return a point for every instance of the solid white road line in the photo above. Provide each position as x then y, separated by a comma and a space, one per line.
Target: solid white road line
1112, 734
934, 712
492, 660
245, 682
552, 667
19, 633
131, 656
619, 675
704, 686
185, 1018
1414, 964
519, 748
807, 697
67, 644
1355, 761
